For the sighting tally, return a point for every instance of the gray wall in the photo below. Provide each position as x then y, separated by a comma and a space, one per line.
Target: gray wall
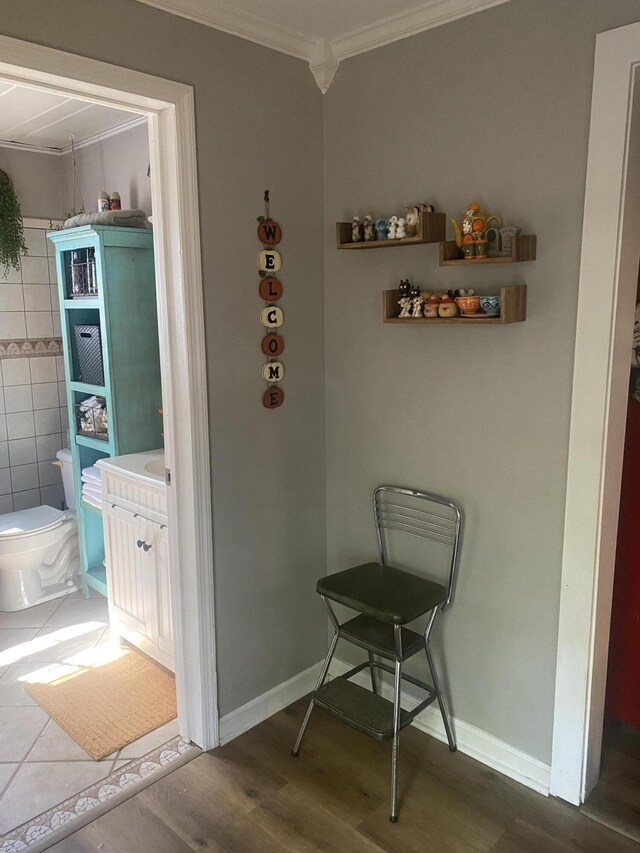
37, 180
119, 163
259, 125
479, 414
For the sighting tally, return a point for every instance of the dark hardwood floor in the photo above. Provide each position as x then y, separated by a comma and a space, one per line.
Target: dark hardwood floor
251, 795
615, 801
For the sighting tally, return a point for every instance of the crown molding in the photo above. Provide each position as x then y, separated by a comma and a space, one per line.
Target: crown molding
223, 16
322, 55
90, 140
397, 27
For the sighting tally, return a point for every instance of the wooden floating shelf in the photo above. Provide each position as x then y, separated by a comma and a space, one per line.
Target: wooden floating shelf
523, 248
431, 229
513, 309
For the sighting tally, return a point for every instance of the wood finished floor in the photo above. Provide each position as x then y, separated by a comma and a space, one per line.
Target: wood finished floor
251, 795
615, 801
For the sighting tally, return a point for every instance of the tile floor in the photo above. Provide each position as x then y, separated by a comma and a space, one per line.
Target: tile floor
40, 765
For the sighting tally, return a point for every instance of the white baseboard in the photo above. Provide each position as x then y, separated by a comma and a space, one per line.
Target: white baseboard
262, 707
472, 741
486, 748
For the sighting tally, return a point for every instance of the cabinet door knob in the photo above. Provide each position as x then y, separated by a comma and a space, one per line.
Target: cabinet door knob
146, 547
139, 543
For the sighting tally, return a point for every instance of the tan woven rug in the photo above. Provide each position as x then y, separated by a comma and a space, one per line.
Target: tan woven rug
106, 707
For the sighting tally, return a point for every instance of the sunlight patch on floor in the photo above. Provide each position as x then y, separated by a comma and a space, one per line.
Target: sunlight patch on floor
48, 641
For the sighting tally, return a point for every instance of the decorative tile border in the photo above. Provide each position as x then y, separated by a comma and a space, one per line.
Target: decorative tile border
36, 834
19, 348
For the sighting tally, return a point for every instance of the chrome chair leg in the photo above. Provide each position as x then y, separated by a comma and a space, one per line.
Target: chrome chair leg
395, 749
440, 697
374, 674
323, 674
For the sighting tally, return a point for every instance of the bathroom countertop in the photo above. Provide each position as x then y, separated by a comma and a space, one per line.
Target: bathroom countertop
137, 465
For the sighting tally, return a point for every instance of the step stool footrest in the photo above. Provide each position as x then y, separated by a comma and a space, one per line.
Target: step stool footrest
359, 708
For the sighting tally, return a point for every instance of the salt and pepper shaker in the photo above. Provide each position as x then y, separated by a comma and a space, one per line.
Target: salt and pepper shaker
103, 201
114, 201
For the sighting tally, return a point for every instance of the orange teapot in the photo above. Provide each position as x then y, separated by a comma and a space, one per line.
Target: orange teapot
471, 234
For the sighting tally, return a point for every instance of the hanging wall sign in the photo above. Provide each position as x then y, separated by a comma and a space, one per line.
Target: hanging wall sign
269, 232
272, 345
270, 289
271, 316
273, 397
273, 371
269, 260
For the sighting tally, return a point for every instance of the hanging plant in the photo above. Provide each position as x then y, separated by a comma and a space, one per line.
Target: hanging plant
12, 243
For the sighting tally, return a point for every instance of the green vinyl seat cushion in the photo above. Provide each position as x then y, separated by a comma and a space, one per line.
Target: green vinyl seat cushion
383, 592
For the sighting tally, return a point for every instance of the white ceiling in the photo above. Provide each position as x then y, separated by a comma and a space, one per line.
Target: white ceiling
43, 121
324, 32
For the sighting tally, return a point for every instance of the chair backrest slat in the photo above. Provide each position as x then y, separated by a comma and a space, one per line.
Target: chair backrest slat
443, 527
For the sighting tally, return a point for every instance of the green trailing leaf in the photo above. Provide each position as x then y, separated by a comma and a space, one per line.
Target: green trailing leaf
12, 243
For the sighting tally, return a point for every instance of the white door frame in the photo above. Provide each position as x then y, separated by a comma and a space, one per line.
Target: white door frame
608, 279
170, 110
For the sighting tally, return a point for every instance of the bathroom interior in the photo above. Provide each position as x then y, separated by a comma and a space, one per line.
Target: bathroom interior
85, 612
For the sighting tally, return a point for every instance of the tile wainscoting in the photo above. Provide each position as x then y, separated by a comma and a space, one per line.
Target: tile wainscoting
33, 401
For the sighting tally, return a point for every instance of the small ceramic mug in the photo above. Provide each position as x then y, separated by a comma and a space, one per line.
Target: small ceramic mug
468, 304
490, 305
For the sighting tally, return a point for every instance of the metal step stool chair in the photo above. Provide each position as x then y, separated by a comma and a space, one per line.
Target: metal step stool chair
388, 598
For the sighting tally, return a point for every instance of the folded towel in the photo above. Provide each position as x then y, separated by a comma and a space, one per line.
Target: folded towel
91, 473
135, 218
92, 481
92, 501
92, 489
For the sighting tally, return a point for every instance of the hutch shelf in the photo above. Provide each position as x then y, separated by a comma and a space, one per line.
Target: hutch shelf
523, 248
106, 283
513, 309
431, 229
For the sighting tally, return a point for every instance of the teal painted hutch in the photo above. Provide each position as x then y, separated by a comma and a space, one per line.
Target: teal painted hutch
106, 280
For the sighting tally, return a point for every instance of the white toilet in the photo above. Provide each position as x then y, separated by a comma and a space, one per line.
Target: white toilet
39, 558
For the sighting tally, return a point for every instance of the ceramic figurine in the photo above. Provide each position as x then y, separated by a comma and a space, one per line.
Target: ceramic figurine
393, 225
405, 304
356, 230
381, 229
447, 307
431, 306
369, 230
493, 236
412, 219
416, 303
404, 288
471, 235
508, 233
427, 208
400, 230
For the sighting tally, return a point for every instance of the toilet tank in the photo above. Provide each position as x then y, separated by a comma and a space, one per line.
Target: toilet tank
64, 456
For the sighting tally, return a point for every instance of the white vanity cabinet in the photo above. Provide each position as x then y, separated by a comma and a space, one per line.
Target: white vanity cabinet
136, 554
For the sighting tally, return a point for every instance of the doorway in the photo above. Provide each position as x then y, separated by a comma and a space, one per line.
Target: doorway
168, 109
608, 276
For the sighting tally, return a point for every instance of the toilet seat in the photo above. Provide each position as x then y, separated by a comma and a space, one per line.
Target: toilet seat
26, 522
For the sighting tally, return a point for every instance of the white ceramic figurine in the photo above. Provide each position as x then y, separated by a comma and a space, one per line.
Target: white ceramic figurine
400, 230
405, 304
417, 303
393, 225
